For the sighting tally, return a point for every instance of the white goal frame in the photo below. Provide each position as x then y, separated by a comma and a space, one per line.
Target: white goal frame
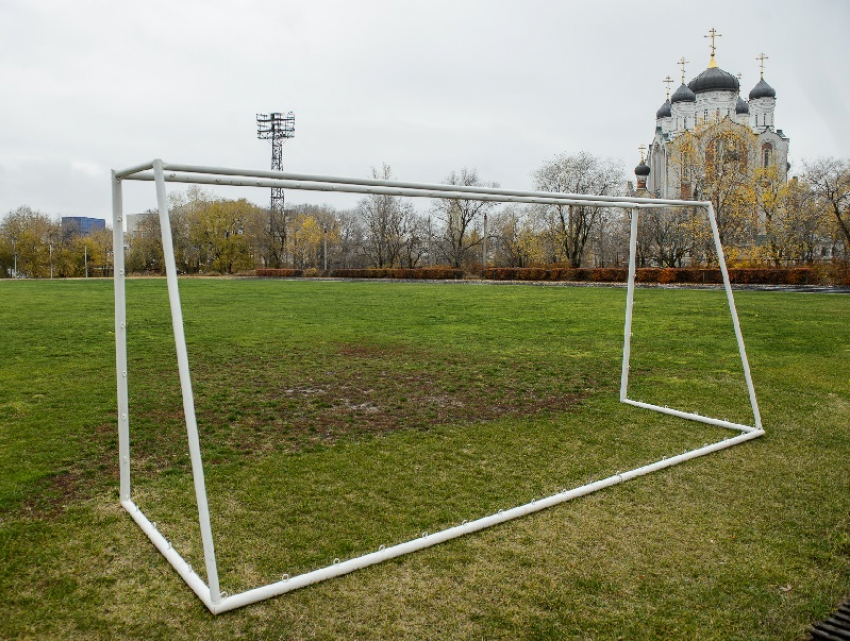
160, 173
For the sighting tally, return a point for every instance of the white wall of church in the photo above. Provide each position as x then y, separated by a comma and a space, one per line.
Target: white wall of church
761, 113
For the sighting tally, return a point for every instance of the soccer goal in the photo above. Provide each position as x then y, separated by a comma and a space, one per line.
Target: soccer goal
161, 173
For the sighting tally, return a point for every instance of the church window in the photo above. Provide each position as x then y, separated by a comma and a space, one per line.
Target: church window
767, 152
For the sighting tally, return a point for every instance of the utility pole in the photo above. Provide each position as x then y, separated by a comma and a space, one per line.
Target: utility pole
86, 259
325, 245
430, 249
484, 249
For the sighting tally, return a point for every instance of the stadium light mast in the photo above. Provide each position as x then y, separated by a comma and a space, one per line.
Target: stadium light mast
278, 128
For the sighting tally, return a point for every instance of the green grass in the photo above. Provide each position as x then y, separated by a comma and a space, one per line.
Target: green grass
337, 417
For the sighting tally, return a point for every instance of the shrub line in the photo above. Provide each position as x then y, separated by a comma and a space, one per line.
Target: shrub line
663, 276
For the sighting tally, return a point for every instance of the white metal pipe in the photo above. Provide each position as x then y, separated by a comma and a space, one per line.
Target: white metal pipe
123, 173
693, 417
630, 302
687, 456
118, 278
446, 192
178, 563
338, 569
341, 180
186, 385
731, 299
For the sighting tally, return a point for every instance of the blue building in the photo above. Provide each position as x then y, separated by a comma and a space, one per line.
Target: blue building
82, 225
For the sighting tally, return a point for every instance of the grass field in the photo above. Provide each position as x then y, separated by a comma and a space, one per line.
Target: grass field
337, 417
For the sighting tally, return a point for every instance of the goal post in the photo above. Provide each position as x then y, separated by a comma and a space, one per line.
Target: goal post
161, 173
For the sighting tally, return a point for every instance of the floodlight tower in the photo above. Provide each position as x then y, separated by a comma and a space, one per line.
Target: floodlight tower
278, 128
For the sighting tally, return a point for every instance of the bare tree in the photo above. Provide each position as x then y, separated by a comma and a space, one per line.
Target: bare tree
459, 216
352, 235
665, 237
610, 243
830, 181
582, 173
413, 244
383, 218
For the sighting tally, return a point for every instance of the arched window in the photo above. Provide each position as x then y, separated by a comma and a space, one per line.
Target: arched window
767, 154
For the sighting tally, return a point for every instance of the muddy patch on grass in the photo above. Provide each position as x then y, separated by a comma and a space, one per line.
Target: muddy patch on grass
53, 494
302, 398
270, 399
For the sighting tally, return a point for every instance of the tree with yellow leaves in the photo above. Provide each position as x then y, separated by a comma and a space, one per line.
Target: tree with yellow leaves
716, 162
217, 229
26, 235
792, 226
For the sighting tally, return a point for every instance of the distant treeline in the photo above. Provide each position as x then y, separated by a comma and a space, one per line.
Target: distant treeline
763, 222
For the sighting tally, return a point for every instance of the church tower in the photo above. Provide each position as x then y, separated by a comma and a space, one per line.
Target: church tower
713, 96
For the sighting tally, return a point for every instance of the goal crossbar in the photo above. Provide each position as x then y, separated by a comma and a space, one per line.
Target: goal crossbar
209, 591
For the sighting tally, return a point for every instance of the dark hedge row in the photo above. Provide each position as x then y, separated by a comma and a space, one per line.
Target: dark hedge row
279, 273
794, 276
791, 276
422, 273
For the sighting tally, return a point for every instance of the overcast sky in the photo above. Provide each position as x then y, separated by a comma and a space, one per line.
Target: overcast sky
425, 86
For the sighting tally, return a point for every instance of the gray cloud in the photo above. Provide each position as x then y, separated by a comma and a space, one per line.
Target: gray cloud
424, 86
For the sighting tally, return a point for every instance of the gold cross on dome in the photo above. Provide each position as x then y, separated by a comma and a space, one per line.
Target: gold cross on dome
761, 59
642, 150
713, 34
683, 62
668, 81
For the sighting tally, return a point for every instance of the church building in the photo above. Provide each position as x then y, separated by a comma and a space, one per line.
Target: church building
714, 96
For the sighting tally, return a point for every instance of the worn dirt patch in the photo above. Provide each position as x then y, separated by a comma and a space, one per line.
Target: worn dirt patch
351, 390
55, 493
